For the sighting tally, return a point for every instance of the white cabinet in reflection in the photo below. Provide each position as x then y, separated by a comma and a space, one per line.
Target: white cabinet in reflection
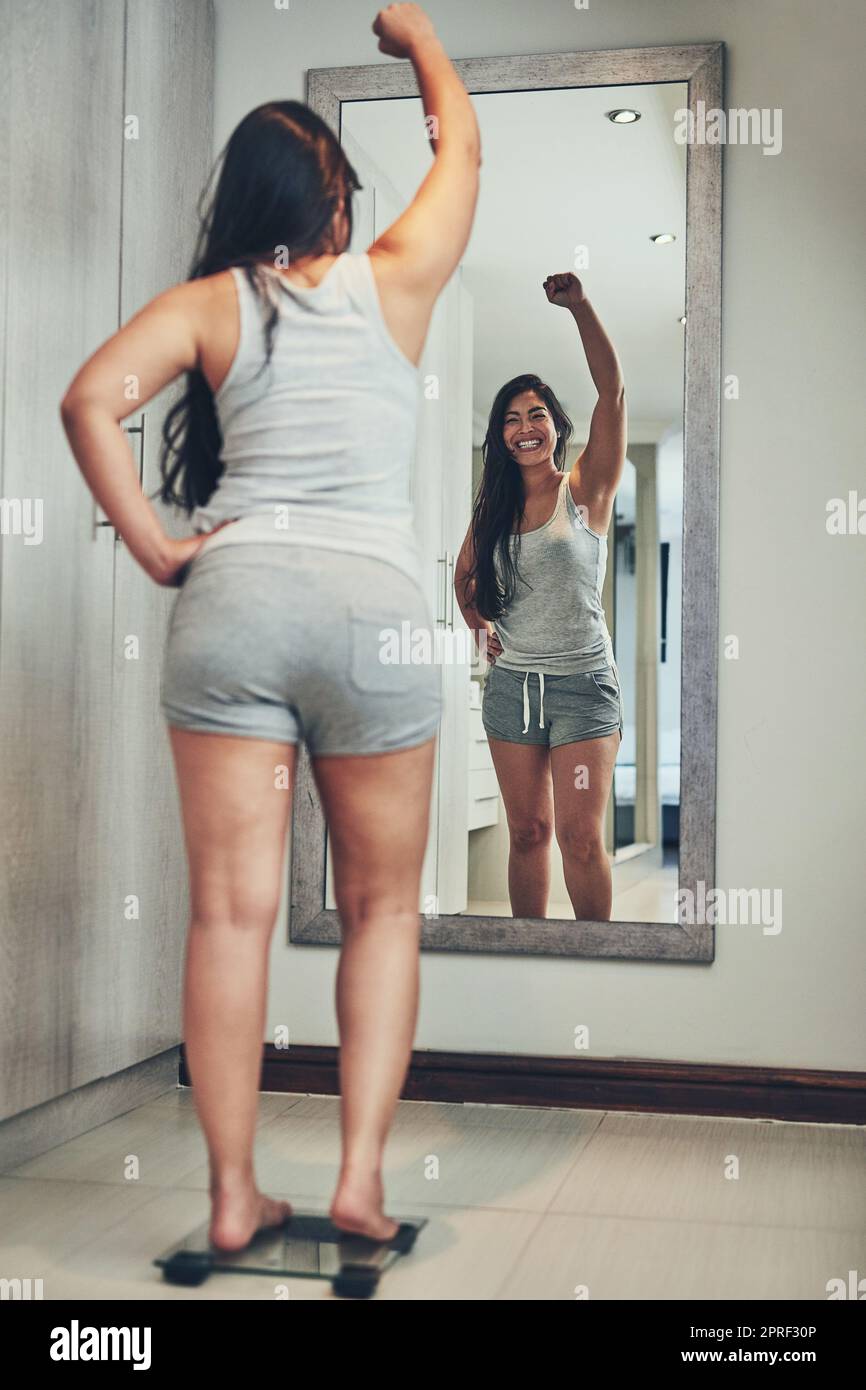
441, 497
483, 798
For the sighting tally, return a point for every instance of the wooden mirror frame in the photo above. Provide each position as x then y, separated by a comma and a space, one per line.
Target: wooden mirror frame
701, 67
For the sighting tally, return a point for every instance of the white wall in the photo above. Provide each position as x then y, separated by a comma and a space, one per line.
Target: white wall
791, 745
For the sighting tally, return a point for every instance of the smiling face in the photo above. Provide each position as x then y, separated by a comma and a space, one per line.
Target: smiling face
528, 430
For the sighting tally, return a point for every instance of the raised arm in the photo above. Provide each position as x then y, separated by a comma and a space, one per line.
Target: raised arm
416, 256
596, 474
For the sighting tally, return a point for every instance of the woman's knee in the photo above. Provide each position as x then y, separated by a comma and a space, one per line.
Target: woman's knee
581, 841
530, 832
256, 914
363, 908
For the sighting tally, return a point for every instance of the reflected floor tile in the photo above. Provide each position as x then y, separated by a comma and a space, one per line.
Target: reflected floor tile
648, 901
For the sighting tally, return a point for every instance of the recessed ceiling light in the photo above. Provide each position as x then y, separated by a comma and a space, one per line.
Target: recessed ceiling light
623, 116
662, 237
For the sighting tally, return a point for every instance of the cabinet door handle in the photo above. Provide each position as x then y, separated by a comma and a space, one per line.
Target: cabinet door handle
442, 597
139, 430
451, 559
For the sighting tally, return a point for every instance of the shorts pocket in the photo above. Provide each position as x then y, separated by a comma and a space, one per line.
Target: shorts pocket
605, 680
491, 685
380, 649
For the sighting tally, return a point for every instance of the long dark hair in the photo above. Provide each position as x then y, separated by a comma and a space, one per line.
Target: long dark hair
284, 177
501, 497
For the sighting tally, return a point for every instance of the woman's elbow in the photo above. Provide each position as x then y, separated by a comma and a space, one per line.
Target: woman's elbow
70, 404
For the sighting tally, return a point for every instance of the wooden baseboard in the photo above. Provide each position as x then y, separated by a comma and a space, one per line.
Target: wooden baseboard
675, 1088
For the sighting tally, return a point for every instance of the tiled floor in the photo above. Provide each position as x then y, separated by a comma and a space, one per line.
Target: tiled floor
522, 1204
652, 899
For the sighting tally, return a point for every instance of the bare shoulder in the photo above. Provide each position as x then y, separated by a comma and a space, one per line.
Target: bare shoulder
208, 290
191, 293
197, 300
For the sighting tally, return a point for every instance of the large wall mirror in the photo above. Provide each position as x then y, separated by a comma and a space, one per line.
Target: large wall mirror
634, 209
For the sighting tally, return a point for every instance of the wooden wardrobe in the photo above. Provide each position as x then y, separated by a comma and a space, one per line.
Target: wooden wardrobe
107, 131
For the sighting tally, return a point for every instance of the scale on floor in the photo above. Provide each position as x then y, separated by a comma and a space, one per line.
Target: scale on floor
306, 1246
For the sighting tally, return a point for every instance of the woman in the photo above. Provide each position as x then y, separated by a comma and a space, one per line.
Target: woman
529, 580
297, 428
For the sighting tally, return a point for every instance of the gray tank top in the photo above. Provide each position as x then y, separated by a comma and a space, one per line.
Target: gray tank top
318, 448
557, 627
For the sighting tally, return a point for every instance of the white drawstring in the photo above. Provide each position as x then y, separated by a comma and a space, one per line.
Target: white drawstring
526, 702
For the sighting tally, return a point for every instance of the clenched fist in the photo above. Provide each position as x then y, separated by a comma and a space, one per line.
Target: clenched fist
564, 289
400, 27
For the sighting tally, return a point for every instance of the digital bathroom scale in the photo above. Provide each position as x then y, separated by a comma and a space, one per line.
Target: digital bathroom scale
306, 1246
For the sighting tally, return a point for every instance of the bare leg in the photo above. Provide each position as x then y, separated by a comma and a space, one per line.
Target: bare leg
579, 813
523, 773
377, 808
235, 816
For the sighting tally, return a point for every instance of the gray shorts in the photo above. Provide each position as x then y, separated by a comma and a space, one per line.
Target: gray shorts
285, 642
523, 707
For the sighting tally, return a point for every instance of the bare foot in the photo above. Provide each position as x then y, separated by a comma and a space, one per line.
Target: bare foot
236, 1216
357, 1207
